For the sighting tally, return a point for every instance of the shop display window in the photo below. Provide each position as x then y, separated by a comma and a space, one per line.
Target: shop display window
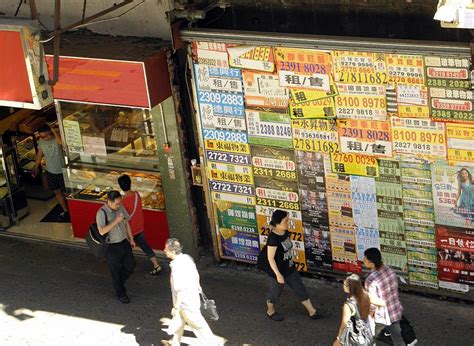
93, 184
109, 136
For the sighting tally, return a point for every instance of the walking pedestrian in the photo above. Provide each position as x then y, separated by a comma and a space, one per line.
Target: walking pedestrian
357, 306
186, 289
382, 283
50, 147
279, 266
132, 203
112, 220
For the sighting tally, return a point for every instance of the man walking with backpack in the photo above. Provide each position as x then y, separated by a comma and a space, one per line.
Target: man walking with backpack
382, 283
112, 221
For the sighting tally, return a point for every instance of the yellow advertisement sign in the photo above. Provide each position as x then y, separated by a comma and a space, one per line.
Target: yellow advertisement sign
460, 139
316, 135
360, 68
230, 147
355, 164
305, 95
230, 173
405, 69
322, 108
251, 57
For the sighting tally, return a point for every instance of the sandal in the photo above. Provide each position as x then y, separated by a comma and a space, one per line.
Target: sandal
275, 317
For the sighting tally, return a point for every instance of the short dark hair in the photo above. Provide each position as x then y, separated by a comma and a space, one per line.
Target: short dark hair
125, 182
44, 128
112, 195
277, 216
373, 255
174, 245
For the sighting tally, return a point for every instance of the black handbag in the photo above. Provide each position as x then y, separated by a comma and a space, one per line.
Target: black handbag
98, 243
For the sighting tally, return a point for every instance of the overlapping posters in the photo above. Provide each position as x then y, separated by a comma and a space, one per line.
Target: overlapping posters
453, 195
406, 73
460, 139
237, 231
218, 79
364, 206
263, 90
390, 216
447, 72
360, 68
452, 104
210, 53
322, 107
357, 101
365, 137
269, 128
421, 137
419, 222
455, 248
304, 68
355, 164
314, 211
252, 58
315, 135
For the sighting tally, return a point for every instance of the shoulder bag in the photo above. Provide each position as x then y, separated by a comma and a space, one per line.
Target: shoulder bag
208, 308
98, 243
357, 332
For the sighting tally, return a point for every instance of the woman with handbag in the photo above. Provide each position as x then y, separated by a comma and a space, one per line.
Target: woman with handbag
355, 326
277, 256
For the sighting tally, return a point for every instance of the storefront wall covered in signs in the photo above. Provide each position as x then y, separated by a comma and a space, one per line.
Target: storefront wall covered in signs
368, 147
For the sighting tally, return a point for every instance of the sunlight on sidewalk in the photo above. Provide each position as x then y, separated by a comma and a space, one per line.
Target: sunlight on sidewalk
23, 326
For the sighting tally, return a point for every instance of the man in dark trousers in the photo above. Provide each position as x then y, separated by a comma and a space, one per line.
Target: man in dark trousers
112, 220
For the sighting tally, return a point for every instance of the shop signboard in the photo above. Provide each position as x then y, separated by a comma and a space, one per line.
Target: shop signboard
365, 137
316, 135
210, 53
357, 101
303, 68
418, 137
269, 128
452, 104
455, 258
354, 164
263, 90
360, 68
453, 195
460, 138
218, 79
252, 58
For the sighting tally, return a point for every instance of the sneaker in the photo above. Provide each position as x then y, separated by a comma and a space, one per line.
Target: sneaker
156, 270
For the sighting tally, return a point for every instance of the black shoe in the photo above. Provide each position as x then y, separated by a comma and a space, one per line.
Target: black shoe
124, 299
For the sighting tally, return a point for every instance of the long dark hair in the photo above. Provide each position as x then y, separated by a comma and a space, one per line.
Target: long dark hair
354, 284
468, 174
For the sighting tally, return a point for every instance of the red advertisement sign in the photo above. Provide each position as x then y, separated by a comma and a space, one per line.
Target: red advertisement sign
455, 254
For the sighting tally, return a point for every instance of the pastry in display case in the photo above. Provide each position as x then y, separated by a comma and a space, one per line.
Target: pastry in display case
93, 184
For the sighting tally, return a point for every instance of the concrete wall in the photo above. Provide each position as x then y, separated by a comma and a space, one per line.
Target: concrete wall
147, 20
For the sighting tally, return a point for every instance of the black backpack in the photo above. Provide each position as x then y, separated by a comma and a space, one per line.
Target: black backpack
98, 243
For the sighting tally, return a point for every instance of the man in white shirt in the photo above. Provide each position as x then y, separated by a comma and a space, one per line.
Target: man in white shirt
185, 288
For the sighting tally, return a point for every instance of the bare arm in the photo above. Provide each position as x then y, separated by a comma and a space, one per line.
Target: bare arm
130, 235
107, 228
39, 157
346, 315
57, 136
271, 251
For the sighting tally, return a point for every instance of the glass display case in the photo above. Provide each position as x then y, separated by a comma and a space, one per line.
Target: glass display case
109, 136
13, 203
92, 184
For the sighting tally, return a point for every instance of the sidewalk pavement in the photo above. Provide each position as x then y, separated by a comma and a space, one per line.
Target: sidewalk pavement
53, 295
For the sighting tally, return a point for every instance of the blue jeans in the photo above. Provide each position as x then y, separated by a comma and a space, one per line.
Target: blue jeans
141, 242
